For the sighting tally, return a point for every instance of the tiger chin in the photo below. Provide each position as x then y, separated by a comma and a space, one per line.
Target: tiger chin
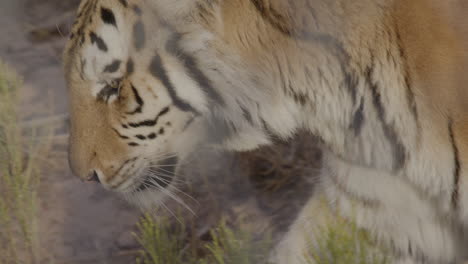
382, 83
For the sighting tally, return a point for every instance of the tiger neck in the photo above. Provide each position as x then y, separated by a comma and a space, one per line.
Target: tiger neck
335, 81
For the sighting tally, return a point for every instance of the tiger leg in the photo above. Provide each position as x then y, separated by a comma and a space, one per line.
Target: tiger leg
305, 240
385, 204
292, 248
392, 209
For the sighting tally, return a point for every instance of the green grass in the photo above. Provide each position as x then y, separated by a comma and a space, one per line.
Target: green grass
166, 243
19, 177
160, 244
341, 241
236, 247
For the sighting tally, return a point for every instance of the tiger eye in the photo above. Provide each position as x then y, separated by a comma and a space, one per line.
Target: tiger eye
115, 83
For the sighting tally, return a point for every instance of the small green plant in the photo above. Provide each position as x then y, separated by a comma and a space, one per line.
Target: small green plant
166, 243
341, 241
19, 177
236, 247
17, 181
338, 241
161, 242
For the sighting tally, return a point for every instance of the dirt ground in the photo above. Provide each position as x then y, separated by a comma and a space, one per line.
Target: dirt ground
79, 223
82, 223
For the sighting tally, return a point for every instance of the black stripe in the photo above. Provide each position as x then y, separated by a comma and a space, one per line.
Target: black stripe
120, 168
139, 101
158, 71
336, 48
86, 10
350, 82
358, 119
299, 97
108, 16
98, 40
409, 91
124, 3
246, 114
133, 144
139, 35
152, 136
194, 72
130, 66
411, 97
399, 152
150, 122
456, 169
140, 137
187, 124
118, 134
272, 16
204, 11
267, 129
113, 67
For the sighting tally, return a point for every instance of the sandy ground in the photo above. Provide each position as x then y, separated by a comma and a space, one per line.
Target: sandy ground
82, 223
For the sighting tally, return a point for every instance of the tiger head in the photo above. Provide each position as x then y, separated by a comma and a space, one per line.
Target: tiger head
139, 103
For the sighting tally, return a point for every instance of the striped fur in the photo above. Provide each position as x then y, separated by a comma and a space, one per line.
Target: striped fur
382, 83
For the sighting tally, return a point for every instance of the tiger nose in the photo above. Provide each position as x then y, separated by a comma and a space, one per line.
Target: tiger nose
93, 177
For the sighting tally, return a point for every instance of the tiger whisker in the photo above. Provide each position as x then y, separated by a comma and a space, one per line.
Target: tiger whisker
163, 170
161, 156
166, 175
163, 165
177, 189
172, 213
174, 197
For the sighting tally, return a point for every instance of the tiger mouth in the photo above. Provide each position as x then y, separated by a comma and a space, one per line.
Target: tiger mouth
161, 180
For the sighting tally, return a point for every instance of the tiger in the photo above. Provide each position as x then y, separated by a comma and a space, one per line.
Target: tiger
381, 83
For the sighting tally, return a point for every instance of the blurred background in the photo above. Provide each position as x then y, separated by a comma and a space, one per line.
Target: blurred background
49, 216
